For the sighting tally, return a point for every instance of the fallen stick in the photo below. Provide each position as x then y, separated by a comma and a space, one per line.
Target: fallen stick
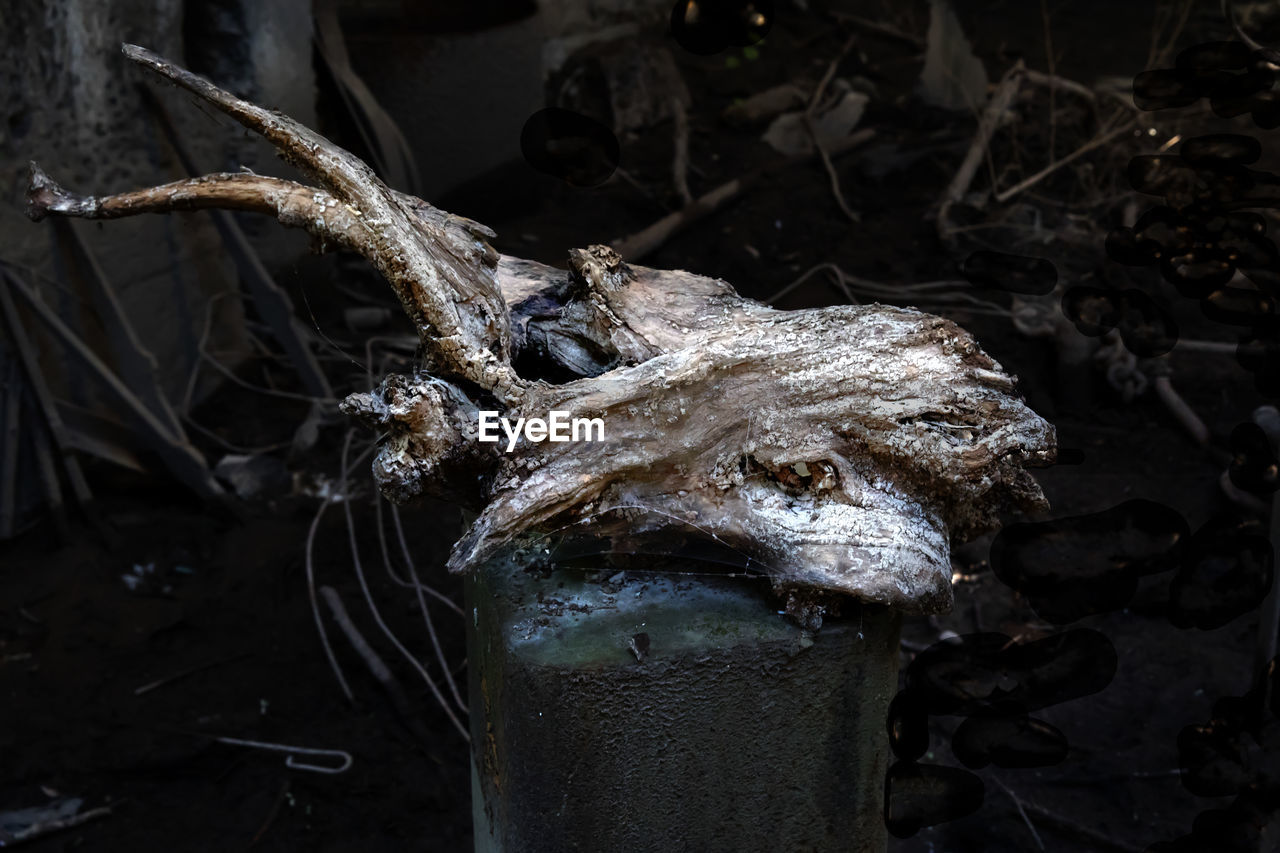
1213, 347
1184, 414
309, 563
183, 461
1065, 84
177, 676
1023, 812
54, 432
876, 28
42, 450
646, 240
386, 557
101, 436
372, 660
48, 827
998, 104
271, 815
137, 366
413, 661
419, 588
391, 152
1071, 827
1028, 183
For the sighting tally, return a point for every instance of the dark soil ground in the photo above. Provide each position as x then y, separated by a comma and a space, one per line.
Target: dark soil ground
227, 620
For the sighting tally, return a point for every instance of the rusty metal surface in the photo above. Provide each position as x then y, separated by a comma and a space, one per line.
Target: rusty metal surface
633, 711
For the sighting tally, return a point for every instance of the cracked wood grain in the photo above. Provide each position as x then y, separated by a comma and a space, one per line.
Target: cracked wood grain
841, 449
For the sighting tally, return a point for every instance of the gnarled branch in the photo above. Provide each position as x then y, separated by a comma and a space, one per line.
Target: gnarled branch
837, 449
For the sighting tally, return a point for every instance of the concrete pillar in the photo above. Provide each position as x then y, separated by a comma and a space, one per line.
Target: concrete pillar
655, 711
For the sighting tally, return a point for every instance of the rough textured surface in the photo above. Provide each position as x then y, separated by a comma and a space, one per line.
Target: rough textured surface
836, 449
661, 712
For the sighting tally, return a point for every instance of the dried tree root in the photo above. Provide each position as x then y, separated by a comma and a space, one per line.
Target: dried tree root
839, 449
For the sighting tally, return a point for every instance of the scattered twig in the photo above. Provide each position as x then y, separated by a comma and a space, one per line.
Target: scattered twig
937, 293
1184, 414
998, 104
386, 557
680, 157
42, 449
182, 460
272, 302
419, 587
48, 827
1214, 347
315, 607
812, 127
100, 435
1027, 183
271, 815
641, 243
201, 344
1053, 81
373, 607
1119, 776
137, 366
382, 137
272, 392
878, 28
202, 355
229, 446
169, 679
1158, 54
38, 389
1018, 805
803, 277
1071, 827
377, 666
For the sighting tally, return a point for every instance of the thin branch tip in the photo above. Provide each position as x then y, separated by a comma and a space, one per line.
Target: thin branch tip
44, 194
138, 53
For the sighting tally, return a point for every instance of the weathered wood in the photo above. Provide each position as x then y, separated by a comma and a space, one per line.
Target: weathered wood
836, 449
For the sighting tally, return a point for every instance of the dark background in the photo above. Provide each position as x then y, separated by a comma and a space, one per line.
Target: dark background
225, 613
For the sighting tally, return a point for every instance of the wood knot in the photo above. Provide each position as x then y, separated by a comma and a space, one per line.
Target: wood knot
598, 267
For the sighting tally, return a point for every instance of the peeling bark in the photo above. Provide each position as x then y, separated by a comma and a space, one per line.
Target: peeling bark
839, 449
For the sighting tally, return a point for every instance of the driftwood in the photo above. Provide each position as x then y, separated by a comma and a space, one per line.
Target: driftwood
840, 449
